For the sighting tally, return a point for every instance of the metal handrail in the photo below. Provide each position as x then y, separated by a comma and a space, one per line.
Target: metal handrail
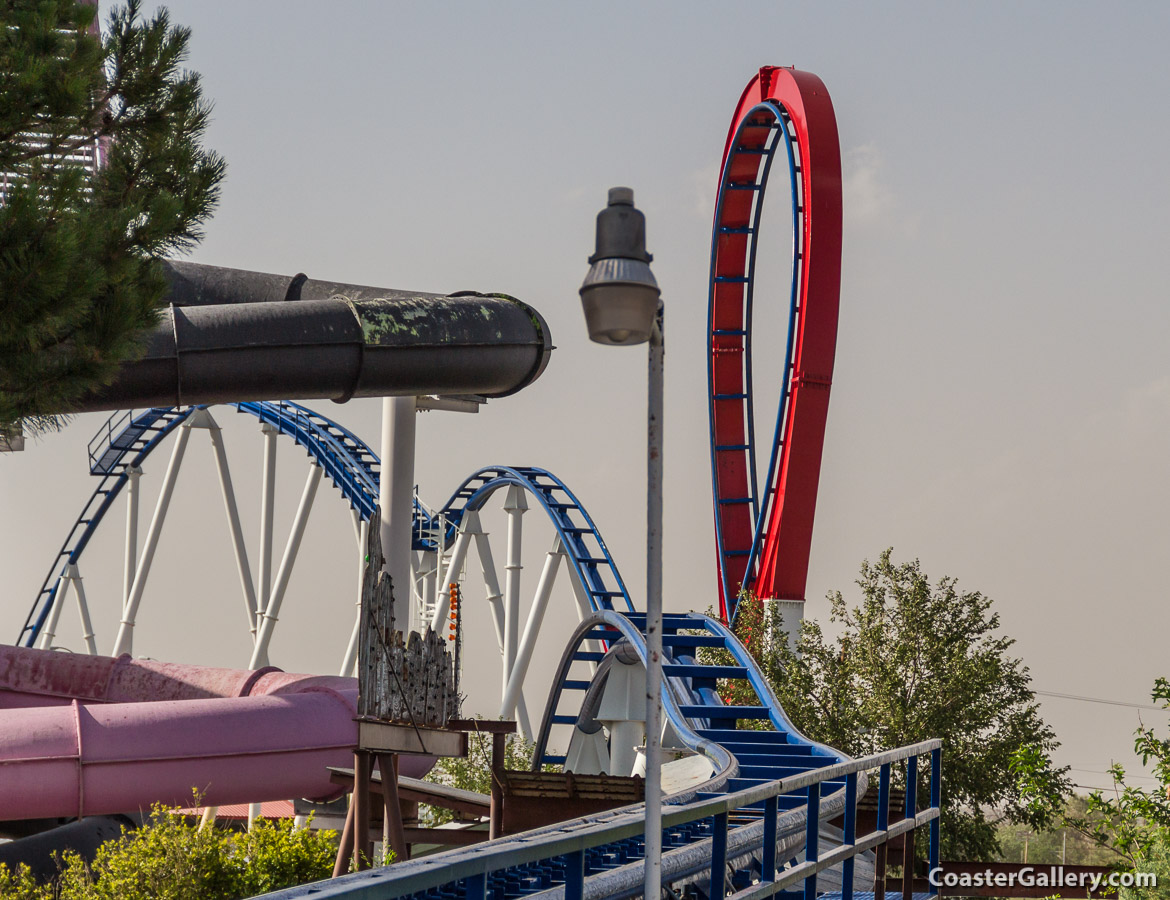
476, 864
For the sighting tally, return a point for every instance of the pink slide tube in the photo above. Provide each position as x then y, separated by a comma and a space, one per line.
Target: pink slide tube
86, 735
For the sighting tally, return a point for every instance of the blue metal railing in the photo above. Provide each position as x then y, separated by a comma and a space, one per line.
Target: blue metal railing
468, 873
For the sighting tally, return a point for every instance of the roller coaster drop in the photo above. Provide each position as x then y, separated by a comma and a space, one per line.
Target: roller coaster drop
775, 784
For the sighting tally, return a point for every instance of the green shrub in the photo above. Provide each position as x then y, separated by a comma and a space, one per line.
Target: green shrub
168, 859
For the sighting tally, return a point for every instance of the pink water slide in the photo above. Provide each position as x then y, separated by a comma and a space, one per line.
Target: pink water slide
90, 735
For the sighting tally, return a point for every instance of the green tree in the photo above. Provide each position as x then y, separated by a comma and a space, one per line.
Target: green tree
1057, 844
474, 771
80, 251
1134, 822
913, 662
169, 858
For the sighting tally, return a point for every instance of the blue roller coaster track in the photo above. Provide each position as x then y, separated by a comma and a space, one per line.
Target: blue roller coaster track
749, 747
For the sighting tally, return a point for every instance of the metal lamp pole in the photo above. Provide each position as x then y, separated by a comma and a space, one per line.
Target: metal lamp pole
652, 885
621, 302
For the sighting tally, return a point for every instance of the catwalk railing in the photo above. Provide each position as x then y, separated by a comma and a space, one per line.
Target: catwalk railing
562, 851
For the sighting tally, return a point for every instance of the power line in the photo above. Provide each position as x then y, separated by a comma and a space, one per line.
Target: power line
1098, 771
1083, 699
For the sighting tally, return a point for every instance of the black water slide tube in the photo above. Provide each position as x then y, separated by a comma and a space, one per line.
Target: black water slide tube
231, 335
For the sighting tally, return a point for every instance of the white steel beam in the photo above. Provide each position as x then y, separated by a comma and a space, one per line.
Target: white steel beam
396, 499
469, 527
491, 584
83, 611
519, 672
267, 500
233, 516
349, 661
515, 505
45, 641
125, 638
133, 474
272, 611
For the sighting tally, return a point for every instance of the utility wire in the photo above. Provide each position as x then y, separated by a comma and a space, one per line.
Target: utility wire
1061, 696
1099, 772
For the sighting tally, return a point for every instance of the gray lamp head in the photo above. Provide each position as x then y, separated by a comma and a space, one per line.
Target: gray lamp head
620, 295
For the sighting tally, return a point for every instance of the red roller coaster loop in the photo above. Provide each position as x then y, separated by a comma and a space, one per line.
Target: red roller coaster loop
764, 538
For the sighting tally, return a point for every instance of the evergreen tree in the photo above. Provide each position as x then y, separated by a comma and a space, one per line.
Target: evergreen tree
80, 250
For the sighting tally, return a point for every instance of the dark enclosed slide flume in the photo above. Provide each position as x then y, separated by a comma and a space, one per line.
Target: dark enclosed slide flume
232, 335
89, 735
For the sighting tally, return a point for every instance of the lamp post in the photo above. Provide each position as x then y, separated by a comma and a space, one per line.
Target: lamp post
622, 307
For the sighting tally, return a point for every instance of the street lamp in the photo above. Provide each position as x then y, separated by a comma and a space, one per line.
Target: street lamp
622, 307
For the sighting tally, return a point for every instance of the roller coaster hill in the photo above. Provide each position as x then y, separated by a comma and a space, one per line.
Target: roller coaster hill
752, 807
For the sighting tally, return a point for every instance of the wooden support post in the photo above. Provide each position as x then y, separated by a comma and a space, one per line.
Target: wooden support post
345, 850
362, 848
393, 830
496, 818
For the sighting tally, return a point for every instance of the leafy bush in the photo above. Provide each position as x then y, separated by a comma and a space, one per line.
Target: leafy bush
169, 859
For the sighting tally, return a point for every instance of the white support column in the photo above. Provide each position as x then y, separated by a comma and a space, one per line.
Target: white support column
233, 516
469, 527
544, 587
125, 639
133, 474
83, 611
515, 505
267, 500
349, 661
272, 611
429, 583
396, 498
45, 641
492, 584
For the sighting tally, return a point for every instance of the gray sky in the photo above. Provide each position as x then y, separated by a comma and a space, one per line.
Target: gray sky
1001, 401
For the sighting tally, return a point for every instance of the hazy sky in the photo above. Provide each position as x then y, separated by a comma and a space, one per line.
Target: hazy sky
1001, 400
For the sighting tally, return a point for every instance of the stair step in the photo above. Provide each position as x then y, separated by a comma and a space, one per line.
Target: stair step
746, 736
724, 712
692, 640
783, 802
781, 760
773, 773
680, 670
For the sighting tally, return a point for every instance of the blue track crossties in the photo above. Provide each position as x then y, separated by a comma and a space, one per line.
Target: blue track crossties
742, 511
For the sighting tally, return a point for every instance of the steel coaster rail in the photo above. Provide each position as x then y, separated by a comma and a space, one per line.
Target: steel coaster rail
763, 538
466, 872
741, 758
588, 555
127, 438
141, 434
